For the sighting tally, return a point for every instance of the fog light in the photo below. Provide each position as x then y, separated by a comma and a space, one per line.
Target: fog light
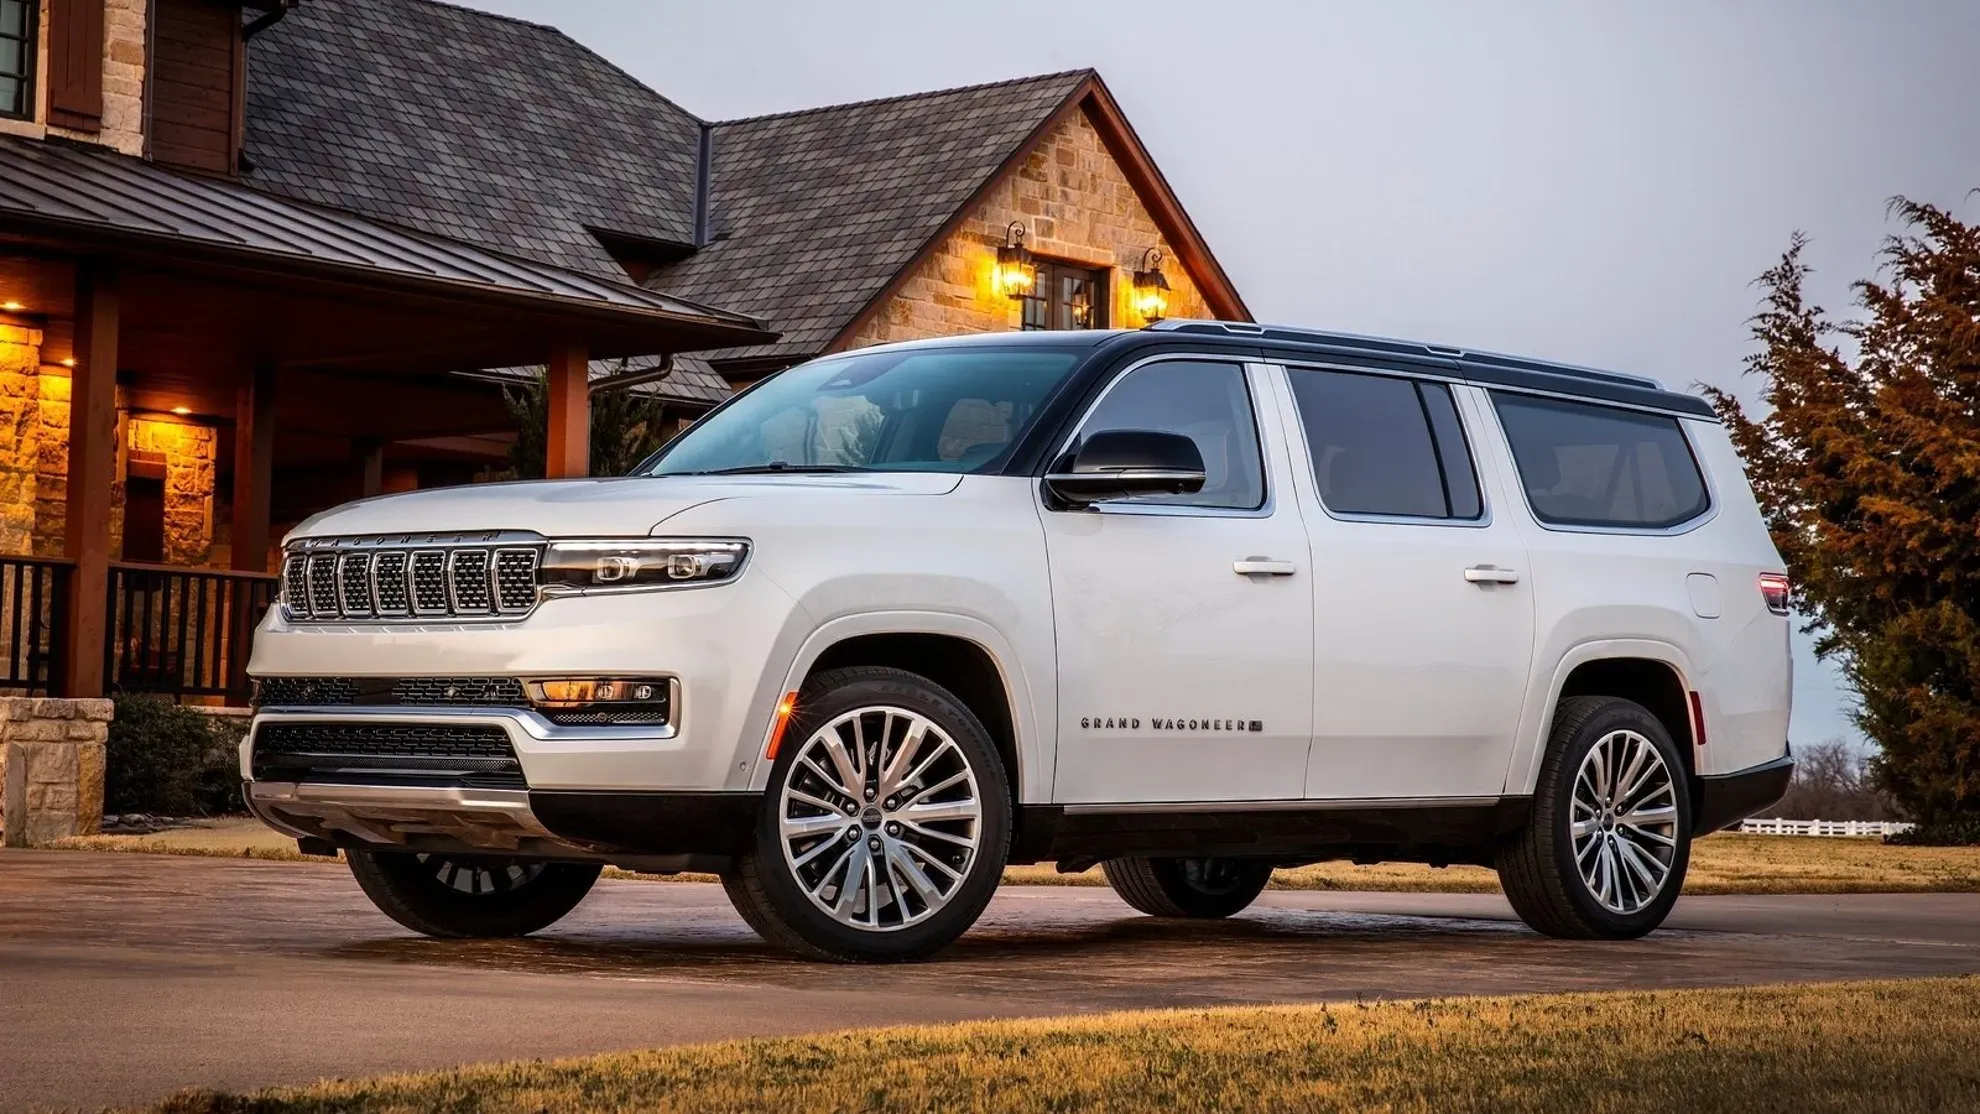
578, 692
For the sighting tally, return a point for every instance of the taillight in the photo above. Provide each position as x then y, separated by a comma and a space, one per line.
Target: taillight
1774, 589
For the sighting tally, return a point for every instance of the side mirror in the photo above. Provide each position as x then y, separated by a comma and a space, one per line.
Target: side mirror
1120, 463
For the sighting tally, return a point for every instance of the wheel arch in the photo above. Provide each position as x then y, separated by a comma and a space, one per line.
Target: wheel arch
1653, 674
964, 655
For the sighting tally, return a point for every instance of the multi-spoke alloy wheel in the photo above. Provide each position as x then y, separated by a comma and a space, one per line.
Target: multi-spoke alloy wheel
446, 894
1624, 822
1608, 837
481, 875
880, 818
885, 824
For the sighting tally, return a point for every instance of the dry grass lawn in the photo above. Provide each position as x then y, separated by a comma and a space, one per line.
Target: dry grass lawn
1720, 864
1880, 1046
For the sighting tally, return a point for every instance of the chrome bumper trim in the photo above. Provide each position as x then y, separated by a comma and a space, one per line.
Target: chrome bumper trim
529, 723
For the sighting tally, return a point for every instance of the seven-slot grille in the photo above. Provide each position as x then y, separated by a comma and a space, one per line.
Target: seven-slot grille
409, 578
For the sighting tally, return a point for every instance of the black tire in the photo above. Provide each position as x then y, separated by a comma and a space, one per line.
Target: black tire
1539, 868
1203, 889
766, 888
435, 894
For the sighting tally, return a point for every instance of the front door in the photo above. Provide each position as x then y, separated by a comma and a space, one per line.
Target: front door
1185, 623
1423, 595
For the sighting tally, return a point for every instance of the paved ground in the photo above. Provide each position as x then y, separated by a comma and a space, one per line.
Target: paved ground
124, 977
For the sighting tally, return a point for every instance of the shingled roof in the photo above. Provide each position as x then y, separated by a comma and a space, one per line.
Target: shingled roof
816, 211
512, 136
473, 126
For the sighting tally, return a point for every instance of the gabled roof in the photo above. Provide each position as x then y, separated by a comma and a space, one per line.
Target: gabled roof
816, 211
88, 192
470, 125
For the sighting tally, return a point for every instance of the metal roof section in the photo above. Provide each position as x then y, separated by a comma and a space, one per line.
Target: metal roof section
88, 192
1487, 368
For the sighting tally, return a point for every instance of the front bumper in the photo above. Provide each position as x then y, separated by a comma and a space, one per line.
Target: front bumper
662, 832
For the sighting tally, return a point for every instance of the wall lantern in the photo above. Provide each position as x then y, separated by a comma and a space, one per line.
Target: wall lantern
1016, 272
1151, 287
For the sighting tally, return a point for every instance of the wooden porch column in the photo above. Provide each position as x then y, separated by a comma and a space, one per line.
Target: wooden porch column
254, 468
567, 452
92, 460
371, 462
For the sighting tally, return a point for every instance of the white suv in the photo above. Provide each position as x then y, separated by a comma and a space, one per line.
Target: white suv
1189, 603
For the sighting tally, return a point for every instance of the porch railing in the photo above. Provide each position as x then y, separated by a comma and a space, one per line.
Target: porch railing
183, 632
34, 600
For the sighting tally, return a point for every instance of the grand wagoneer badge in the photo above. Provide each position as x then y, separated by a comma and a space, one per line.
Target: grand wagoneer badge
1164, 723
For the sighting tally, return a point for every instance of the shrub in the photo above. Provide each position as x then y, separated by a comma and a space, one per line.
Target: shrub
169, 760
1962, 830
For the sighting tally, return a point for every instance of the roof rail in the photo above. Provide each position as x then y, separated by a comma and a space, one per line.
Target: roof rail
1297, 335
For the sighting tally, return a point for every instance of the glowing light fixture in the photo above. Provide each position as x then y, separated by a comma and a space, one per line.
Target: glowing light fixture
68, 361
1016, 272
181, 411
1151, 287
12, 307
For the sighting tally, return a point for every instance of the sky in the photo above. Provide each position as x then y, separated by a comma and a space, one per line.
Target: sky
1583, 180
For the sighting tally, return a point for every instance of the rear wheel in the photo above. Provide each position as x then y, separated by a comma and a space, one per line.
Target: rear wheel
1604, 853
1201, 888
449, 895
886, 823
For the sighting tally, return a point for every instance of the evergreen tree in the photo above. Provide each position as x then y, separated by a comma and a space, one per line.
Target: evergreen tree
1867, 464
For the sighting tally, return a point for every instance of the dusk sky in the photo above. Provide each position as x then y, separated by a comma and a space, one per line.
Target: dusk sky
1591, 182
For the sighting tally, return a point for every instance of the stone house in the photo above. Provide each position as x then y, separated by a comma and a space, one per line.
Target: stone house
258, 257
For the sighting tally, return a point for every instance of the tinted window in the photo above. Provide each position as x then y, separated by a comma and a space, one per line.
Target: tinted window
1209, 404
1386, 446
948, 410
1587, 465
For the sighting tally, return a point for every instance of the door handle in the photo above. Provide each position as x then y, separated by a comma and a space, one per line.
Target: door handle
1262, 566
1491, 574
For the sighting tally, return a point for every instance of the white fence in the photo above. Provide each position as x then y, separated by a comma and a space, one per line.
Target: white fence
1822, 827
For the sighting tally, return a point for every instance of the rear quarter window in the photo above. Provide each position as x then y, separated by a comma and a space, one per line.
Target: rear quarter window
1589, 465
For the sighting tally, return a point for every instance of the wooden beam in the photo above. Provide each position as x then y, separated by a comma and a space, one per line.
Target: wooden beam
254, 468
371, 463
92, 462
568, 384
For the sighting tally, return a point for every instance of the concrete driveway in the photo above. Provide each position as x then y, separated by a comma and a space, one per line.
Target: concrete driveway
125, 977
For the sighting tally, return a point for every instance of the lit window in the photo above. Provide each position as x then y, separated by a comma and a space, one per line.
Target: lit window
17, 50
1067, 297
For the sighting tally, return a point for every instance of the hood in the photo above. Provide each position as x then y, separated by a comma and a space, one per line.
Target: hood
616, 507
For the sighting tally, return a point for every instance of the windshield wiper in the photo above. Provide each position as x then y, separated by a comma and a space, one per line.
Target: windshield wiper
777, 466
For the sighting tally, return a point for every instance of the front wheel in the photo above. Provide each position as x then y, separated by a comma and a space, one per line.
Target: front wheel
449, 895
885, 826
1199, 888
1604, 853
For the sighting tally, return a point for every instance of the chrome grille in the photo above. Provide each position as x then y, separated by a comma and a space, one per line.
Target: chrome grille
411, 576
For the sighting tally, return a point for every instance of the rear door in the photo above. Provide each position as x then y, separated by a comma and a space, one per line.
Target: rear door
1423, 611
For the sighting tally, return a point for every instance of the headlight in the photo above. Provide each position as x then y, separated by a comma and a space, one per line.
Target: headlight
634, 564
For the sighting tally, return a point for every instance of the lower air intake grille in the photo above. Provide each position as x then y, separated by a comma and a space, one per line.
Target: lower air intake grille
452, 753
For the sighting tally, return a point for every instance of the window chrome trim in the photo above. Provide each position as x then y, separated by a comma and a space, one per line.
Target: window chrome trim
1305, 451
1244, 368
1705, 476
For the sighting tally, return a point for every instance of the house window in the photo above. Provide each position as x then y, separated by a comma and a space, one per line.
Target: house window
17, 50
1067, 297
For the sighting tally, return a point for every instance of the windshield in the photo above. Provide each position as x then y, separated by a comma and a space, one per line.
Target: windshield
926, 410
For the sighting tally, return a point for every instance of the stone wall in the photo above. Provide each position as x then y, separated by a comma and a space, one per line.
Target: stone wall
189, 451
51, 768
34, 461
20, 416
123, 77
1077, 206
